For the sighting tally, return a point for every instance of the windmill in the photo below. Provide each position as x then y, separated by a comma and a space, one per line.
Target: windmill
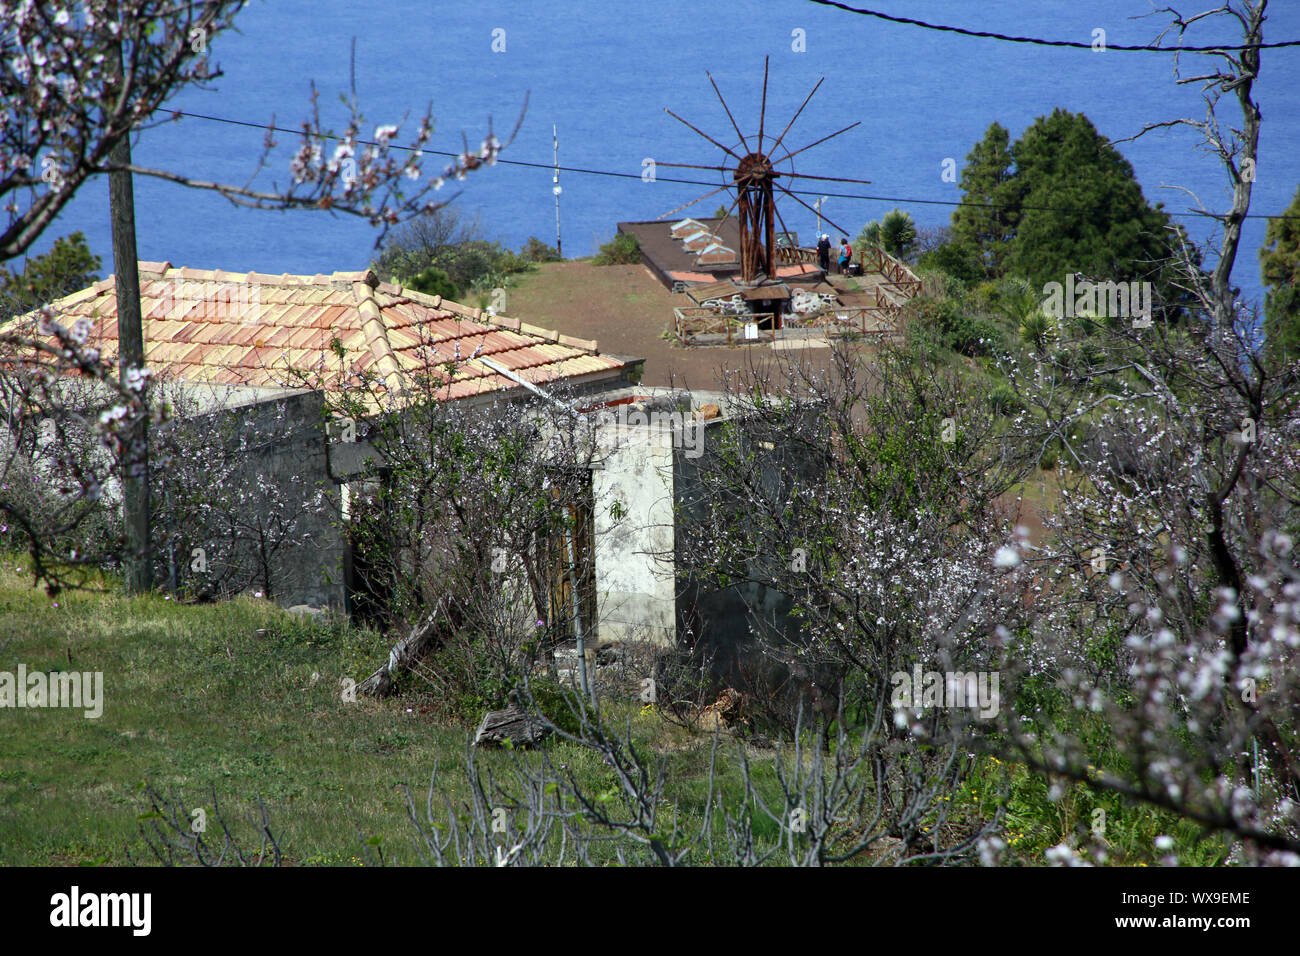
756, 175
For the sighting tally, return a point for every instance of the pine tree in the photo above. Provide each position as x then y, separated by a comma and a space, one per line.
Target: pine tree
983, 223
1279, 261
1079, 208
434, 281
68, 267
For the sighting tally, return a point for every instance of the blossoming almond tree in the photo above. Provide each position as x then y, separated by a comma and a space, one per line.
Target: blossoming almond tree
460, 515
1175, 619
65, 443
228, 520
871, 497
77, 77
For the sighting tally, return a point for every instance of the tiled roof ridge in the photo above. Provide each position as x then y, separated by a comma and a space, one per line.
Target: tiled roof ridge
375, 331
165, 270
355, 279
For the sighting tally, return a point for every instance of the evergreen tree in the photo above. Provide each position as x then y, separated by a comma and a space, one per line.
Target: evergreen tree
434, 281
1279, 260
1078, 208
983, 223
68, 267
957, 259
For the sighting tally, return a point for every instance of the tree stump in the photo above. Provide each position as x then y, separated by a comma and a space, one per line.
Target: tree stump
511, 724
404, 653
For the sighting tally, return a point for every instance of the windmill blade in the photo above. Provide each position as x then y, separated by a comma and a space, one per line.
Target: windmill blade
723, 169
728, 111
841, 229
762, 111
702, 133
781, 138
829, 179
822, 140
691, 203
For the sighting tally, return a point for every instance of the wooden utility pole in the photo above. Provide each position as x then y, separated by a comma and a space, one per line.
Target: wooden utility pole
130, 355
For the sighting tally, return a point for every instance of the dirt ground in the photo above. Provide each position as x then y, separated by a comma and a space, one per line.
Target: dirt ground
629, 313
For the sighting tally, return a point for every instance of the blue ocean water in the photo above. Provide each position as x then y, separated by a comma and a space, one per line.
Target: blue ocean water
603, 71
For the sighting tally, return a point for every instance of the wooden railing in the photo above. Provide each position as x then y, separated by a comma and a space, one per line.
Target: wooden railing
884, 318
838, 321
896, 274
889, 311
691, 324
795, 255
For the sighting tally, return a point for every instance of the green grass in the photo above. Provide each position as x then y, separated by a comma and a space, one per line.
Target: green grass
243, 698
1035, 821
196, 697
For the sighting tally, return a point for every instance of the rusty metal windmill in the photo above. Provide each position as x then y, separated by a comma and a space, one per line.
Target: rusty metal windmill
755, 177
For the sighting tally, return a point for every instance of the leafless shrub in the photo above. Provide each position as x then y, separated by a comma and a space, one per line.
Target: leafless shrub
176, 834
813, 809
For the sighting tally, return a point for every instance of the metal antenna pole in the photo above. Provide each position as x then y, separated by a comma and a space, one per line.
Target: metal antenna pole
555, 188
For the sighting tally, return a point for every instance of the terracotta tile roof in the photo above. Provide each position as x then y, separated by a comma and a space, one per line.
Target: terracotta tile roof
802, 269
680, 276
252, 329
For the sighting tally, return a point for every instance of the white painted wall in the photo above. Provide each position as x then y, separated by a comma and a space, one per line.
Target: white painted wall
635, 578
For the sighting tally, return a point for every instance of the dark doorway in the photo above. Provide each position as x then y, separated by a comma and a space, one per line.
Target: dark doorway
566, 568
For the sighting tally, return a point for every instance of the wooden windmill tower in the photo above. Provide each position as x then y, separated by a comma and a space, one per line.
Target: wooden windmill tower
755, 174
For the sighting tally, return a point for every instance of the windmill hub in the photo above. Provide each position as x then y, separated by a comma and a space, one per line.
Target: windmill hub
753, 169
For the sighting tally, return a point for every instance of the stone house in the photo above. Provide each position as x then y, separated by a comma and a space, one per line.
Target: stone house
258, 354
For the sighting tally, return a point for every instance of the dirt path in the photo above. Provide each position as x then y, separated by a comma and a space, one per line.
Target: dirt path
629, 313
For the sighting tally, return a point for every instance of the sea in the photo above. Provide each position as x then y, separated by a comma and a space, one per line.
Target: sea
597, 76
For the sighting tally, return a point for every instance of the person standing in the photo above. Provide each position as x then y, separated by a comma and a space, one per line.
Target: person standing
846, 256
824, 253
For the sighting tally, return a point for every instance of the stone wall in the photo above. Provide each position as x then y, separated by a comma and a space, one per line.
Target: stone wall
282, 443
721, 622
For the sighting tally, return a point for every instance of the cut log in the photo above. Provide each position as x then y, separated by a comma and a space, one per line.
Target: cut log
404, 653
511, 724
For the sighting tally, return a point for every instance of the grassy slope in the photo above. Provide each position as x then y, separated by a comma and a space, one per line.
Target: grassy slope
195, 697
